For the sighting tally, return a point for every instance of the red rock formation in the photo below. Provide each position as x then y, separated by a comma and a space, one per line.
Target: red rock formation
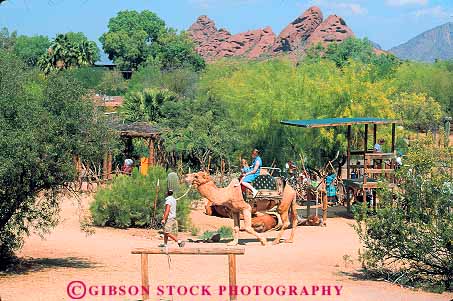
212, 43
206, 37
308, 29
333, 29
295, 35
250, 44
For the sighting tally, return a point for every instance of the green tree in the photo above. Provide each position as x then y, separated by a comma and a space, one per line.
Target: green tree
418, 111
351, 48
68, 51
199, 129
175, 51
7, 39
134, 38
434, 80
30, 49
410, 237
43, 124
130, 36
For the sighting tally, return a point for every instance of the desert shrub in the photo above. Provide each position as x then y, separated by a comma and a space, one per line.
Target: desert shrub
129, 201
411, 234
224, 231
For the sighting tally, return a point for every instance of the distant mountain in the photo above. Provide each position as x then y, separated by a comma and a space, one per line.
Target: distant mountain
433, 44
376, 45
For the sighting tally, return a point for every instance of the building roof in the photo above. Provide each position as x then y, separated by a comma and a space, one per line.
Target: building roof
329, 122
135, 129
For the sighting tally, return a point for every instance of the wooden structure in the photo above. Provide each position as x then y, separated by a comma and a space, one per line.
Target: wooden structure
369, 167
129, 131
230, 252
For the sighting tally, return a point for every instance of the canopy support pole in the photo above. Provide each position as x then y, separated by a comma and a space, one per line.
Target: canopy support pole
348, 166
393, 136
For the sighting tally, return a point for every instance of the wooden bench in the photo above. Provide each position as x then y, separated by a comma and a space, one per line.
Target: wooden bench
231, 252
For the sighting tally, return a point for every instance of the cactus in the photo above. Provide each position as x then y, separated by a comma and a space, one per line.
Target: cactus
173, 182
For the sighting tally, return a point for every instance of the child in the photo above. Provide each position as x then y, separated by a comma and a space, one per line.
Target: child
245, 166
169, 220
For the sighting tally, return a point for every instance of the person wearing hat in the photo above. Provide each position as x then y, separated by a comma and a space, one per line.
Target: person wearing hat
169, 220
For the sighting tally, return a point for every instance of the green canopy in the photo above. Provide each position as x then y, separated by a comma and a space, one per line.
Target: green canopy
327, 122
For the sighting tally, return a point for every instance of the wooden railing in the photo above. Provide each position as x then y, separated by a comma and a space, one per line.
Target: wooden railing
230, 252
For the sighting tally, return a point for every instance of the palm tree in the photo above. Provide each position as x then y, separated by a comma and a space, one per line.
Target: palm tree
146, 105
67, 53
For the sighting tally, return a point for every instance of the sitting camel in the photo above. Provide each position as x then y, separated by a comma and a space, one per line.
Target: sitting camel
231, 197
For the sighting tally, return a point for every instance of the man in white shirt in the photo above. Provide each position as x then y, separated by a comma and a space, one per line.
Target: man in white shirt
169, 220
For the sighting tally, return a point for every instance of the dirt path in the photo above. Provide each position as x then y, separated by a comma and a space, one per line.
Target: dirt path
315, 259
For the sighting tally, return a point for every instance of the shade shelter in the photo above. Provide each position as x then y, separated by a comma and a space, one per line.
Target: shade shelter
369, 155
129, 131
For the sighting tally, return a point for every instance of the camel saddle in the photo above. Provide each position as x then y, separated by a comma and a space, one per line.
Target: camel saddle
268, 187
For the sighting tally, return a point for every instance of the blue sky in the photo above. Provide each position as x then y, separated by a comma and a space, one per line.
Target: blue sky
387, 22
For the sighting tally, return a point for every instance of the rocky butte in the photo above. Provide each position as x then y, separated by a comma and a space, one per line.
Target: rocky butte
308, 29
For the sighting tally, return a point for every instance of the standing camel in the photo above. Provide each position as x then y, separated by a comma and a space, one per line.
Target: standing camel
231, 197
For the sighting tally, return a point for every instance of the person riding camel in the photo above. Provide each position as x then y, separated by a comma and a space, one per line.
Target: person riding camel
245, 166
252, 173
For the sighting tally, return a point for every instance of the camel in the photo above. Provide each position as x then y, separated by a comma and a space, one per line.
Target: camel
231, 197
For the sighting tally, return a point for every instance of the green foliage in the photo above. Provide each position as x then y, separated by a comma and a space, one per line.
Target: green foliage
129, 201
7, 39
67, 51
197, 129
112, 83
129, 37
258, 95
434, 80
134, 38
356, 49
353, 49
177, 51
146, 105
89, 77
181, 81
412, 231
418, 112
30, 49
101, 80
43, 123
224, 231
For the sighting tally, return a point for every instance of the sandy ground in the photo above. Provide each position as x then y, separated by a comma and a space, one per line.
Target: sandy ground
104, 258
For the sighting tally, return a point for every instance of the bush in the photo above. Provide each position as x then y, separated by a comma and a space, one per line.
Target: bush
411, 234
129, 201
43, 124
224, 231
